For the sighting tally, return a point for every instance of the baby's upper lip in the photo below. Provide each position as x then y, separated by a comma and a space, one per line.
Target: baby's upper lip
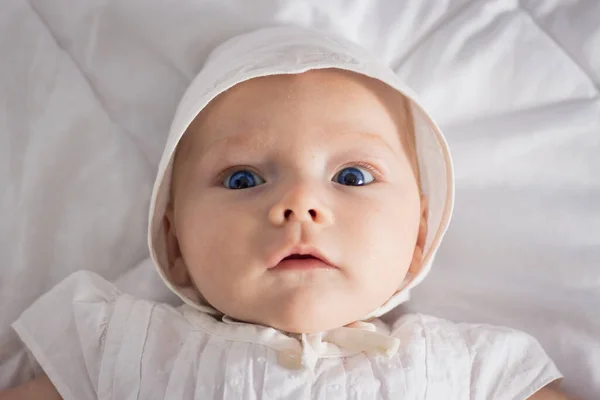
304, 250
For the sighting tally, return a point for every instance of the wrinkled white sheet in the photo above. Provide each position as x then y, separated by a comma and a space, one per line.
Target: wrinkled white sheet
88, 87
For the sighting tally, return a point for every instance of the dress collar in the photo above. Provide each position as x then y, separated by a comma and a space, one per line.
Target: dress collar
296, 351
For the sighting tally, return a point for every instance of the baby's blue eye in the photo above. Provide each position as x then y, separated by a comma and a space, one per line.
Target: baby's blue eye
353, 176
242, 179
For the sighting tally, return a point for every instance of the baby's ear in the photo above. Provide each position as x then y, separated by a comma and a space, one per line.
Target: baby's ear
417, 261
177, 269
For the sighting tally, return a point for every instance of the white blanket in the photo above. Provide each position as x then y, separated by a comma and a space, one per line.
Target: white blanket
88, 87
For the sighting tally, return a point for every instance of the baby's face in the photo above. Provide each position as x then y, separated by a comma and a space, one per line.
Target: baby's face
314, 162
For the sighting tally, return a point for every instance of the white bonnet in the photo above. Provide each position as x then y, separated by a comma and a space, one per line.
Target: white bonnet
292, 50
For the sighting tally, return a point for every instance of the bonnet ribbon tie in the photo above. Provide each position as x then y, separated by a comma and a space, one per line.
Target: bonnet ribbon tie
357, 337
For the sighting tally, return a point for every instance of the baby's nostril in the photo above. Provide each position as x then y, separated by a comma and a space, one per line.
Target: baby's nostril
312, 213
287, 213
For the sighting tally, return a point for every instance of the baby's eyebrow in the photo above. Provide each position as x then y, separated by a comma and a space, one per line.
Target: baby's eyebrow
236, 142
210, 154
248, 143
374, 139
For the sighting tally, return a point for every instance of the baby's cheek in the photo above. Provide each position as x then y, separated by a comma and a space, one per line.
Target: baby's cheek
220, 241
390, 238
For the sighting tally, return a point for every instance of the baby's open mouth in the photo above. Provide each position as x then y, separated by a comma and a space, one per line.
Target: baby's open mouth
304, 256
303, 259
300, 257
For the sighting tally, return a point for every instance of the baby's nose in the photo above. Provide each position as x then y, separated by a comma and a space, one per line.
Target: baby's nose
301, 205
301, 215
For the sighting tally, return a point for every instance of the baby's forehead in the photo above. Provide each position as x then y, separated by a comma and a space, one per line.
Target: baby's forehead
257, 103
319, 83
242, 113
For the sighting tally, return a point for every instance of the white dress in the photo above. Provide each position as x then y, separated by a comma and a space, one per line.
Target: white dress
97, 343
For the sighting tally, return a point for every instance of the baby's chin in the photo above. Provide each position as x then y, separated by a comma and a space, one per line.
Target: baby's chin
301, 302
305, 315
302, 323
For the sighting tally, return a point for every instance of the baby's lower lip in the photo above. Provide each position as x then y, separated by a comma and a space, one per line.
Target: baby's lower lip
302, 264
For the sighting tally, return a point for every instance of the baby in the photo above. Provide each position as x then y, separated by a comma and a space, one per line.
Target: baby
302, 193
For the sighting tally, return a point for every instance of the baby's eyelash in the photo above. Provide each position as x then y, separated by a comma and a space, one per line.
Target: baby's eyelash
377, 174
230, 170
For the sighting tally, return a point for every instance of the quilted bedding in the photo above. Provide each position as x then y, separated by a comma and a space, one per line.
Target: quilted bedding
88, 87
